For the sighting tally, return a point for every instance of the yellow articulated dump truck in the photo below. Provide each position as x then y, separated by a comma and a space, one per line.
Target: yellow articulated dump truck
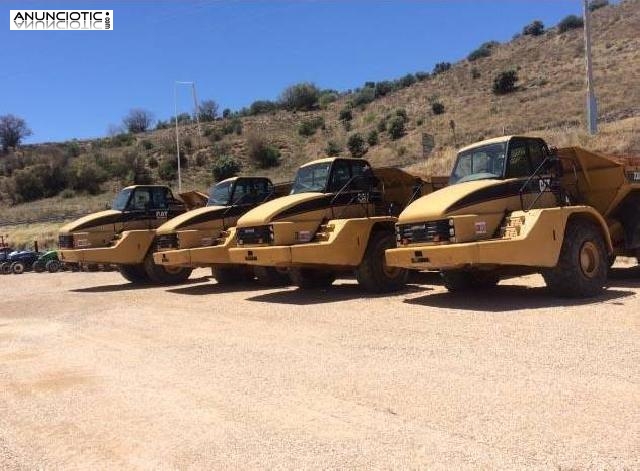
514, 206
339, 216
124, 234
201, 238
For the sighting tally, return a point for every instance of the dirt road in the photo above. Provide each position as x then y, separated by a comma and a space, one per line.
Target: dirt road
97, 375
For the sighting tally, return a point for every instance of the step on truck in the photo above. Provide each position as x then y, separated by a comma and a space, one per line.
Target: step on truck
124, 234
201, 238
339, 217
515, 206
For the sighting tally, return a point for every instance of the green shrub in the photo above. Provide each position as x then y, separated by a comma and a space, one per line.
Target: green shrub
345, 114
505, 82
484, 50
372, 137
402, 113
535, 28
226, 113
441, 67
595, 4
308, 127
346, 125
300, 97
364, 96
570, 22
419, 122
72, 149
121, 140
383, 88
475, 73
262, 106
382, 125
407, 80
152, 162
333, 149
225, 167
201, 158
396, 127
356, 146
146, 144
261, 152
421, 76
233, 126
437, 108
67, 193
167, 170
84, 174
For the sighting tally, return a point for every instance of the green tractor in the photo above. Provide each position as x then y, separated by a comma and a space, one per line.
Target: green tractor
48, 261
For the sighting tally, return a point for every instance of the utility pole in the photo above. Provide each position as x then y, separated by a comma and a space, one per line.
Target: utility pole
196, 109
592, 105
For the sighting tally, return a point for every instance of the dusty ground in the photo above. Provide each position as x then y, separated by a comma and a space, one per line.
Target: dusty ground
97, 375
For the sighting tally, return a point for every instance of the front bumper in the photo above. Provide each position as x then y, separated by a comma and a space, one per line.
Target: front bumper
198, 256
131, 248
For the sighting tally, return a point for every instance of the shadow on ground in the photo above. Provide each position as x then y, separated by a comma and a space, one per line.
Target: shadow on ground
335, 293
215, 288
125, 286
504, 298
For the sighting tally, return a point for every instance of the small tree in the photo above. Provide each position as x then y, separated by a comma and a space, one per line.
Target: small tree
300, 97
208, 110
505, 82
356, 145
535, 28
137, 120
261, 152
441, 67
383, 88
396, 127
345, 114
225, 167
407, 80
437, 108
484, 50
570, 22
226, 113
422, 76
333, 149
262, 106
12, 130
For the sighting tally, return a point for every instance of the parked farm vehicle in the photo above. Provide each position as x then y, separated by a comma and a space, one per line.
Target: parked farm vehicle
124, 234
515, 206
201, 238
339, 217
19, 261
48, 261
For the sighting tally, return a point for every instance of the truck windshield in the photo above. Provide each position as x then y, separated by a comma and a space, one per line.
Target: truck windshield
311, 178
121, 200
479, 163
220, 194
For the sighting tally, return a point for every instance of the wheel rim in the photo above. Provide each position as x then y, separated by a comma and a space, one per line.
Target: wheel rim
589, 259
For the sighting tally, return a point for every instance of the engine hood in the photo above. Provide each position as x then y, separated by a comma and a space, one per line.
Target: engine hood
109, 216
267, 212
193, 217
454, 199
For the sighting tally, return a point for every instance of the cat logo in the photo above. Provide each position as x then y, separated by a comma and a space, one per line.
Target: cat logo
161, 214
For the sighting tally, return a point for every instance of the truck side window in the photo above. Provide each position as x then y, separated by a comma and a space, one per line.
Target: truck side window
518, 164
339, 175
536, 153
159, 198
141, 199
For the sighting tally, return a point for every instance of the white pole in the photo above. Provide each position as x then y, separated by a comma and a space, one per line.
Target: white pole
175, 106
196, 106
592, 105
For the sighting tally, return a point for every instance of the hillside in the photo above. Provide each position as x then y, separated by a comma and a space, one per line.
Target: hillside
549, 101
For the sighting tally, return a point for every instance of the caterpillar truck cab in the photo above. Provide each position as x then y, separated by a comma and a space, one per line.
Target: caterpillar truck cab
515, 206
339, 217
123, 235
202, 237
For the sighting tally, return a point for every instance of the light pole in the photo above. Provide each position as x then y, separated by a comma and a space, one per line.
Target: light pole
592, 105
196, 112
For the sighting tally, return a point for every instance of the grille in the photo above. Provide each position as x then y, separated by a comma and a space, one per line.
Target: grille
254, 235
432, 231
65, 241
167, 242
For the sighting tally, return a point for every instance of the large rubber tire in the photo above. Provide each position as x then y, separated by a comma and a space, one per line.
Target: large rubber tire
311, 278
231, 274
53, 266
373, 274
135, 274
461, 280
18, 268
582, 267
271, 276
38, 267
161, 275
5, 268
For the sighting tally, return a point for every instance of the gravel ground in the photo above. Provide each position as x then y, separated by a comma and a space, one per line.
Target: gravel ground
95, 374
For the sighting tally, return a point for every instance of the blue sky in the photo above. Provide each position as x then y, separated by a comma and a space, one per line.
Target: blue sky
74, 84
